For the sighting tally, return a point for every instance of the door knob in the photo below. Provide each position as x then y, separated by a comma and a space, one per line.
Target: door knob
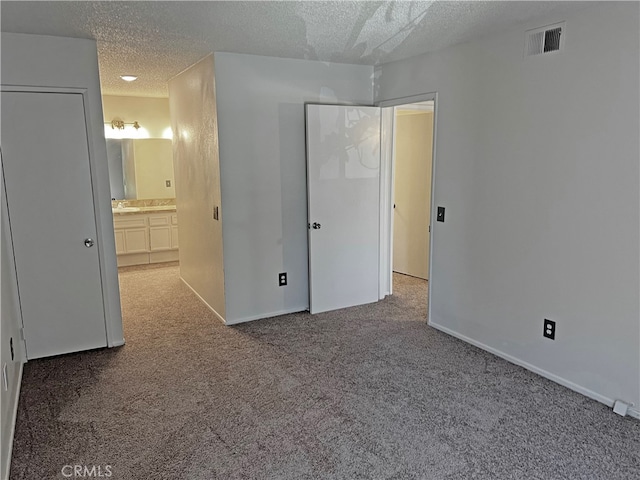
88, 242
316, 226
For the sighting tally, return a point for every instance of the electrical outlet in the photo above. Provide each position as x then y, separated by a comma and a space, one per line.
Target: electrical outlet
549, 330
282, 279
167, 183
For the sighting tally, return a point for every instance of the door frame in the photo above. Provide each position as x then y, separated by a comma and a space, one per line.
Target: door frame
7, 240
104, 256
387, 146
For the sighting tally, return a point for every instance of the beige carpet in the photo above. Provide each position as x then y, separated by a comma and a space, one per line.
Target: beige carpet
364, 393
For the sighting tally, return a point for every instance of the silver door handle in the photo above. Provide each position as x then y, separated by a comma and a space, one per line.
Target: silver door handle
316, 226
88, 242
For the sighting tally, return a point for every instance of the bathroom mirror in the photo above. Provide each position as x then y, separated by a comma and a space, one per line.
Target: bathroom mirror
140, 169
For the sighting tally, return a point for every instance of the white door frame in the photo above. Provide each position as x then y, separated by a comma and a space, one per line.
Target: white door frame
7, 240
386, 190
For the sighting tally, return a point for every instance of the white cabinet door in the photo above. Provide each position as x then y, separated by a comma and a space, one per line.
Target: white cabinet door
160, 238
174, 236
136, 240
120, 242
343, 181
45, 157
160, 232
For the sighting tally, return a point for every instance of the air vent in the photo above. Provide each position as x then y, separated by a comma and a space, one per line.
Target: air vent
544, 40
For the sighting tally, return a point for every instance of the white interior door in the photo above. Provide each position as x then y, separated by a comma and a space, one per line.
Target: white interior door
343, 181
45, 159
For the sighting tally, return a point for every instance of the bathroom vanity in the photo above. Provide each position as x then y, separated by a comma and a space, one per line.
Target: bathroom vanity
146, 234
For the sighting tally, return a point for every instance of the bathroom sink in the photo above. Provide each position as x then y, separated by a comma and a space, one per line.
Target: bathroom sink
125, 209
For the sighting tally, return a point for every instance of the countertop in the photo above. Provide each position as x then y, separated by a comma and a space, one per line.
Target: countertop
155, 208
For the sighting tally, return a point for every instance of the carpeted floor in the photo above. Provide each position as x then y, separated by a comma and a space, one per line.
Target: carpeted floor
369, 392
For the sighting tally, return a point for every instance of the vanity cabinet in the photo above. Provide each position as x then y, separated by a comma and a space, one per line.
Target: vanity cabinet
131, 235
143, 238
174, 231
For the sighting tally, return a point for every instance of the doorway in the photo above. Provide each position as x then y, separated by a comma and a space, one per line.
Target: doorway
412, 162
423, 208
355, 146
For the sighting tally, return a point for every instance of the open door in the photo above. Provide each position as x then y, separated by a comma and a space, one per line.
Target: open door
343, 185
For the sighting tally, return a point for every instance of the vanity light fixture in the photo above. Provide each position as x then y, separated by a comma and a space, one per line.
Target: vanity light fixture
128, 78
120, 124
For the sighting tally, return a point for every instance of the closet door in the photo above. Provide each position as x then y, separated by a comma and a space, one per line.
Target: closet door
45, 158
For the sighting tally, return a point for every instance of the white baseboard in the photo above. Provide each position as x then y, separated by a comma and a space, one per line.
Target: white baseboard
14, 417
203, 300
267, 315
117, 343
632, 412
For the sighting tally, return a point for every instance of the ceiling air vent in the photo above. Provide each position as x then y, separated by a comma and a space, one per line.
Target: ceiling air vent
544, 40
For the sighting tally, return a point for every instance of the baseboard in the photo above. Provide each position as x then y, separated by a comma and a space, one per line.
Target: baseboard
163, 256
266, 315
202, 300
117, 343
548, 375
130, 259
14, 417
410, 275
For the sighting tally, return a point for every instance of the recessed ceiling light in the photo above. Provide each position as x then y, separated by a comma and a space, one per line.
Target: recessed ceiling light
128, 78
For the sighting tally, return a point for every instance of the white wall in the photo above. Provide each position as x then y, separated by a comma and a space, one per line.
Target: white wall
154, 166
151, 113
263, 171
537, 166
58, 62
192, 99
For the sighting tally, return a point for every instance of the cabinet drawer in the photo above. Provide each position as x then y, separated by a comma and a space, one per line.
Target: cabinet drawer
130, 221
159, 220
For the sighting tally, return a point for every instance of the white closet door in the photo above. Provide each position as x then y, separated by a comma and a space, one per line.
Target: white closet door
45, 158
343, 181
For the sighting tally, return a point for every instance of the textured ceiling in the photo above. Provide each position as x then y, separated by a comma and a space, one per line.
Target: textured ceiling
157, 40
